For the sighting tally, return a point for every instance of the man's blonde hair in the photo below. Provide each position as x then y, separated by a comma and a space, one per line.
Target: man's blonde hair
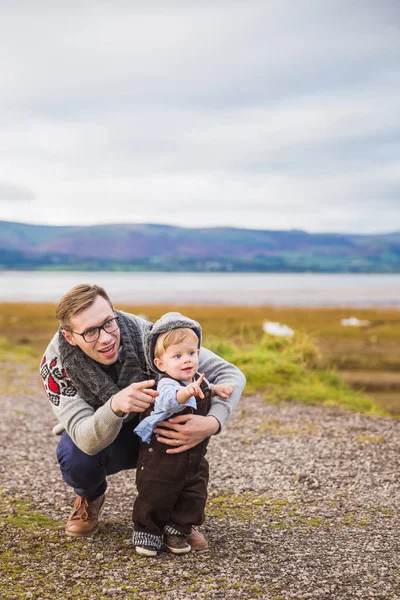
171, 337
78, 299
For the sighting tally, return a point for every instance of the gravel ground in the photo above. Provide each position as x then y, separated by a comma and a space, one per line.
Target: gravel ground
303, 504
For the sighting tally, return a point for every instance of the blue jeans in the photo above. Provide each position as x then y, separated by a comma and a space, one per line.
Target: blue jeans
87, 474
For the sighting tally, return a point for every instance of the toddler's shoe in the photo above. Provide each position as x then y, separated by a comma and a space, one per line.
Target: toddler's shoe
197, 540
146, 550
177, 544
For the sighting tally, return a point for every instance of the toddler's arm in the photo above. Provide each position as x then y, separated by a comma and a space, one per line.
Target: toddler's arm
172, 396
193, 389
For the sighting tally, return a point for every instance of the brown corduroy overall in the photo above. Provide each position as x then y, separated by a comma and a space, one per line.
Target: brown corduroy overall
172, 488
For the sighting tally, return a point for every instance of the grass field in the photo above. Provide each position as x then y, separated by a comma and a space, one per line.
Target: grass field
307, 367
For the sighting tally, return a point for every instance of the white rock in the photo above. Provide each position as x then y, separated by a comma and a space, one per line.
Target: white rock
354, 322
277, 329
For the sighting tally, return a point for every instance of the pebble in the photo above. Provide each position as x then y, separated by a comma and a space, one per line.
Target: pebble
311, 514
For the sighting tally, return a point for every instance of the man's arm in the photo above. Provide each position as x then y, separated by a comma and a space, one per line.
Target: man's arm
219, 371
91, 430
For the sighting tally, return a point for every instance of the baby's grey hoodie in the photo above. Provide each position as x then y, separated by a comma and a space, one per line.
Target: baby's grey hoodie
169, 321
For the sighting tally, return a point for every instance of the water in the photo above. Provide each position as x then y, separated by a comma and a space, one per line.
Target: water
302, 289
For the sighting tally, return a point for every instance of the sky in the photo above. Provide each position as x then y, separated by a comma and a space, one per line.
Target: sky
263, 114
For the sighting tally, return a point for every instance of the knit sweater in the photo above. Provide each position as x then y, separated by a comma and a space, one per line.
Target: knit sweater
94, 427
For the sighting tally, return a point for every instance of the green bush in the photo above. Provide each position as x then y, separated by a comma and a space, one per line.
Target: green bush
287, 368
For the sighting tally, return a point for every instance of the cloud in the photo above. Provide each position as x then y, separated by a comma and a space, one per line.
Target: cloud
11, 192
259, 114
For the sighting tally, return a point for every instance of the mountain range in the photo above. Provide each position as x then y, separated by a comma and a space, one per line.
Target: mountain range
153, 247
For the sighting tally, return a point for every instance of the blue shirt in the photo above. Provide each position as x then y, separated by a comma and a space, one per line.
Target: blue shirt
165, 405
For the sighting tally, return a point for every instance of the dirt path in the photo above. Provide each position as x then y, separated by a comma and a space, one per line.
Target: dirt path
303, 505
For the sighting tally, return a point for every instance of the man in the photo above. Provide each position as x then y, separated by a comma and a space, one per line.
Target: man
95, 374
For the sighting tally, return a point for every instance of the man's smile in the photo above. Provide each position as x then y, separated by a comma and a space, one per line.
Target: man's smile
108, 350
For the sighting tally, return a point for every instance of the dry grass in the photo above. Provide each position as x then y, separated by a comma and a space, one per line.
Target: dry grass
28, 327
33, 323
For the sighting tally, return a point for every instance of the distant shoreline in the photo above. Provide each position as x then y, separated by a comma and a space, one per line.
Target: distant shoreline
141, 247
200, 271
308, 289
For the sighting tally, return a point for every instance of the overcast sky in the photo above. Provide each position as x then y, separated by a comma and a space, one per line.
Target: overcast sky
268, 114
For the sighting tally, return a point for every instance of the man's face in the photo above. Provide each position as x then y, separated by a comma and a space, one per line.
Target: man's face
105, 349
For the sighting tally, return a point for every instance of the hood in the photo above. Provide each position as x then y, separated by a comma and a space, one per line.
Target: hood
171, 320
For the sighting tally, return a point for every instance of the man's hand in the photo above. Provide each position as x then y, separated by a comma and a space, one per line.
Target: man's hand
223, 390
185, 431
134, 398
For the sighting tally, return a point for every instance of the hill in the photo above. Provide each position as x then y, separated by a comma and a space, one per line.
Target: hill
153, 247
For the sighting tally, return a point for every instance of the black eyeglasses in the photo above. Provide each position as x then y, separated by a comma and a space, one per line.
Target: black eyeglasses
93, 334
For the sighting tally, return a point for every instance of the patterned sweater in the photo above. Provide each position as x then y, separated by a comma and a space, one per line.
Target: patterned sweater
93, 427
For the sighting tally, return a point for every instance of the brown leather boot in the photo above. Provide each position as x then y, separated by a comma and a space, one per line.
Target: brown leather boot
197, 540
84, 519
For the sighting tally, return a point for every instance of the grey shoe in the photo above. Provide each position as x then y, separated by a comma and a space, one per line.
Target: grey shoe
177, 544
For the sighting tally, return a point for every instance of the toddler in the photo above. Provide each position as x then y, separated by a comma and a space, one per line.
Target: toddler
172, 488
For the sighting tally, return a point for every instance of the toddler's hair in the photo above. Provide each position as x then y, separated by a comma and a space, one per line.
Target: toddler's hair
171, 337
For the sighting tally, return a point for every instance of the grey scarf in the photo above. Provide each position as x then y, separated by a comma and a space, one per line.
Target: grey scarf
95, 382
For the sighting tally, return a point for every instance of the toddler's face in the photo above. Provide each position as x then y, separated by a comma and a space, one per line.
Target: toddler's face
180, 361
